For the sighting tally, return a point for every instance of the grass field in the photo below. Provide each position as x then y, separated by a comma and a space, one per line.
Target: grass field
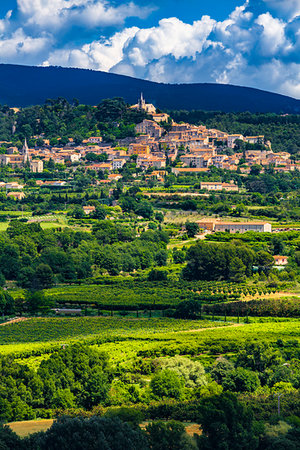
27, 427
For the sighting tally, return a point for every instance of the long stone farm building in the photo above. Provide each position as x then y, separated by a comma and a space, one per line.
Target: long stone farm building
235, 227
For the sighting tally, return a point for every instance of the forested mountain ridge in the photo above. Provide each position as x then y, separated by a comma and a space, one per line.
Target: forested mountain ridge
25, 85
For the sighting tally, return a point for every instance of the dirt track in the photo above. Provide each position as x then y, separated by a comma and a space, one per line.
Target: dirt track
20, 319
211, 328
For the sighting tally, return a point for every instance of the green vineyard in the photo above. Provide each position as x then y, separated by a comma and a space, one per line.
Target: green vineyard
130, 295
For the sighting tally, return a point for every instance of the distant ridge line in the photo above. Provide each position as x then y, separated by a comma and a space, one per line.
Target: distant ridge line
29, 85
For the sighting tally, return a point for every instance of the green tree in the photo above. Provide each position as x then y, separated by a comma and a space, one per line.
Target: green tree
240, 209
99, 213
259, 357
241, 380
207, 261
37, 302
161, 257
221, 368
265, 261
178, 256
255, 169
166, 383
25, 277
96, 388
9, 440
78, 213
53, 142
188, 309
226, 424
237, 270
90, 434
169, 436
43, 277
144, 209
2, 279
192, 229
278, 245
63, 398
158, 275
7, 303
192, 372
159, 217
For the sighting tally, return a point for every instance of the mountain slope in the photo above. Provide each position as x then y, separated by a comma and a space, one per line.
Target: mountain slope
25, 85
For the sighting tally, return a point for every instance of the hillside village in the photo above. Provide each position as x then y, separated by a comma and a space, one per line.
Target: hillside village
159, 143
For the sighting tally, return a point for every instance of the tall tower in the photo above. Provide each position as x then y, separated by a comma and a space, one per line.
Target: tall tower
25, 152
142, 103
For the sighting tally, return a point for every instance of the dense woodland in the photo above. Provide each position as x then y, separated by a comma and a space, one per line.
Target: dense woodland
61, 119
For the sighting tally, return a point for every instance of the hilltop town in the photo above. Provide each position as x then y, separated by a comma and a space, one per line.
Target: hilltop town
159, 142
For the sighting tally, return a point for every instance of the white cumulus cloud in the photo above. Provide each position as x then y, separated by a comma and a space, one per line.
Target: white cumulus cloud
98, 55
58, 14
19, 45
4, 23
285, 8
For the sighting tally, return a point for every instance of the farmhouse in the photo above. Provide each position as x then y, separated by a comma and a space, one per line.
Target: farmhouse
218, 186
16, 195
280, 260
88, 209
235, 227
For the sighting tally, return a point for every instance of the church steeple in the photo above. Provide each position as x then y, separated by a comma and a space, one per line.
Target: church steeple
142, 102
25, 152
25, 146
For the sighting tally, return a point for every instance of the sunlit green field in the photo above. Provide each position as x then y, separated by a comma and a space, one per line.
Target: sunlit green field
124, 339
44, 225
62, 329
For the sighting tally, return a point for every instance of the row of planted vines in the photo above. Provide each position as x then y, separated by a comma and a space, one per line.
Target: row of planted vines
284, 307
155, 295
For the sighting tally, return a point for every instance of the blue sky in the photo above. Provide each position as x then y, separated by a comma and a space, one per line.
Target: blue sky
245, 42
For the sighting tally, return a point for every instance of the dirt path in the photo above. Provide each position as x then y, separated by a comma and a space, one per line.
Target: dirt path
211, 328
20, 319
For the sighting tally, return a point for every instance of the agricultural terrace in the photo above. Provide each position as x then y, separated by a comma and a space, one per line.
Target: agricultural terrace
129, 295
